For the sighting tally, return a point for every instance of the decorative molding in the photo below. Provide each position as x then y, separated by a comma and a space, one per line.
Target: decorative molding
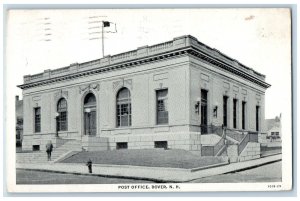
244, 91
88, 87
116, 84
61, 94
160, 76
226, 85
36, 98
258, 97
235, 88
122, 83
204, 77
128, 83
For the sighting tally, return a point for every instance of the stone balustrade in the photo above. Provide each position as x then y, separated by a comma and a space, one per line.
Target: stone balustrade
145, 51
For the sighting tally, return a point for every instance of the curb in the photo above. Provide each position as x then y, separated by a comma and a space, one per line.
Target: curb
208, 166
253, 166
272, 154
104, 175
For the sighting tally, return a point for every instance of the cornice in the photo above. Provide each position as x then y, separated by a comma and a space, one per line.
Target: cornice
223, 65
185, 45
109, 68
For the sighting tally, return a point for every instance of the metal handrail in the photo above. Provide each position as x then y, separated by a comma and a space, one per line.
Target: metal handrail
206, 129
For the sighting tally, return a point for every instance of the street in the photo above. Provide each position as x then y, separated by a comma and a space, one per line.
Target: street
38, 177
266, 173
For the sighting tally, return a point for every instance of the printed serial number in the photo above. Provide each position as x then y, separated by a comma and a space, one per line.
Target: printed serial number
274, 186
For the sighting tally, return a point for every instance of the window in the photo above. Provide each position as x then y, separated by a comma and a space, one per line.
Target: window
204, 102
257, 118
162, 115
234, 113
62, 119
122, 145
35, 147
161, 144
37, 119
123, 108
243, 115
225, 98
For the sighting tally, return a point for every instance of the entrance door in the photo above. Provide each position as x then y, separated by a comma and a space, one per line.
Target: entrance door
203, 111
90, 123
90, 114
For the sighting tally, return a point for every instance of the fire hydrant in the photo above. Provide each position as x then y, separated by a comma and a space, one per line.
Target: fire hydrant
89, 164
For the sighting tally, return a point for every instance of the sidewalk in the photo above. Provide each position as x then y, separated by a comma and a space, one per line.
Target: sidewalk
156, 174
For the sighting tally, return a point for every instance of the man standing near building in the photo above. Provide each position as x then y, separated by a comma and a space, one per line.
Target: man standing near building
49, 148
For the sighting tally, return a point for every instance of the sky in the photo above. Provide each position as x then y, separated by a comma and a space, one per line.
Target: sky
47, 39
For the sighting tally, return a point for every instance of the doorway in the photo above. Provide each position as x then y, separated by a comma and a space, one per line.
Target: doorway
90, 115
203, 111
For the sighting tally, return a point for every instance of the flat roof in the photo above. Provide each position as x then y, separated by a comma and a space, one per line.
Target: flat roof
186, 43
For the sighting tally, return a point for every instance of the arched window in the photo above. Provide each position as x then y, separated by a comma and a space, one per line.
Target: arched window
62, 119
123, 108
90, 118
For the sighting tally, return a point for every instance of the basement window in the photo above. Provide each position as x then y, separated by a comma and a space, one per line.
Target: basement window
35, 147
122, 145
161, 144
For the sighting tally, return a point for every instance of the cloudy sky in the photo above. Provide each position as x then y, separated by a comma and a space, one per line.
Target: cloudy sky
49, 39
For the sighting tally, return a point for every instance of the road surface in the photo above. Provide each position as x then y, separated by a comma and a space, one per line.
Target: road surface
267, 173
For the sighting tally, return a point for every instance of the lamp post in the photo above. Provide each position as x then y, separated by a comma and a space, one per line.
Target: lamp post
56, 119
88, 111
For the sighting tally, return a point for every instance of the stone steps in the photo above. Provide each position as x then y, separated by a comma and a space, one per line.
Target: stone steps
41, 156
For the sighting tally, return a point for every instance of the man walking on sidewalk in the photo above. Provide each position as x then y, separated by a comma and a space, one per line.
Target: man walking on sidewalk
49, 148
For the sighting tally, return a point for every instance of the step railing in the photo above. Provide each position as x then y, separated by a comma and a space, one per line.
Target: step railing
249, 137
211, 129
219, 146
235, 134
213, 150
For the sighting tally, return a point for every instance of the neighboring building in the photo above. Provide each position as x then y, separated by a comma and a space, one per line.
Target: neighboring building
19, 121
155, 96
274, 128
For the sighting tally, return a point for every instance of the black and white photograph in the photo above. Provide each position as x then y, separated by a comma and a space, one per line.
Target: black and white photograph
149, 100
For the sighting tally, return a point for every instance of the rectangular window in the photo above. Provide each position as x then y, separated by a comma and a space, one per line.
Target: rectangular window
122, 145
243, 115
35, 147
37, 119
162, 115
161, 144
257, 118
234, 113
225, 98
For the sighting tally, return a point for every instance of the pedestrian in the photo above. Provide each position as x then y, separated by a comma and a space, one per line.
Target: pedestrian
89, 164
49, 148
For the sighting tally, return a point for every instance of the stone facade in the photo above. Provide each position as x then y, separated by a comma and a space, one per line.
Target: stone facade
183, 66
